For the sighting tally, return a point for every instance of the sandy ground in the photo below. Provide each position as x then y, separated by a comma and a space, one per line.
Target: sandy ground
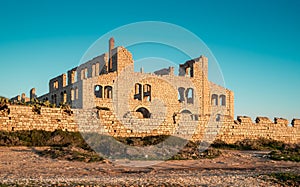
22, 166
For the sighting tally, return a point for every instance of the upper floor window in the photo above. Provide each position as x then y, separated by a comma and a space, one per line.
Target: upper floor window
108, 92
98, 91
223, 100
214, 100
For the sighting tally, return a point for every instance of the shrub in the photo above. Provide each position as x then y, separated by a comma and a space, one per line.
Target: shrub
250, 144
142, 141
288, 153
289, 179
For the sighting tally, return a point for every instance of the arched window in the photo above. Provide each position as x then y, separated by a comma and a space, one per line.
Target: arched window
65, 98
186, 115
190, 95
74, 75
138, 91
181, 94
186, 112
61, 97
82, 74
72, 95
147, 92
188, 71
144, 111
55, 99
214, 100
76, 93
147, 88
223, 100
98, 91
108, 92
218, 117
55, 85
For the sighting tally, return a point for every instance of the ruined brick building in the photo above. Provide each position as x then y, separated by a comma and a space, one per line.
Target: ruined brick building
107, 96
93, 84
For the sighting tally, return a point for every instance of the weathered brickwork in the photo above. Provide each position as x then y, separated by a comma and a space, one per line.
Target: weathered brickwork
106, 122
110, 77
24, 118
245, 128
108, 97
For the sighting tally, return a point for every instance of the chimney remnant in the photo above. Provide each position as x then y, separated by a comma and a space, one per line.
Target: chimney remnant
111, 47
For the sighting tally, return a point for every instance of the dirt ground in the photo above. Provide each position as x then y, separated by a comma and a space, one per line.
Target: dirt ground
23, 166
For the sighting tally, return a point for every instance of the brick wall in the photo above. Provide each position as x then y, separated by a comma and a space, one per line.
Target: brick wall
106, 122
244, 127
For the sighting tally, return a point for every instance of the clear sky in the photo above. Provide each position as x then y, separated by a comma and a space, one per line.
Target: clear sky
257, 43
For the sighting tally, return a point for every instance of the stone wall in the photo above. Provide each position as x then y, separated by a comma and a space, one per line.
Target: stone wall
24, 118
17, 117
245, 128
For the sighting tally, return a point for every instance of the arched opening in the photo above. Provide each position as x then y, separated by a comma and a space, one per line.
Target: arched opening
82, 74
138, 91
108, 92
181, 94
190, 95
218, 117
55, 99
76, 93
144, 111
75, 76
98, 91
223, 100
214, 100
186, 112
65, 97
61, 97
72, 95
147, 92
186, 115
55, 85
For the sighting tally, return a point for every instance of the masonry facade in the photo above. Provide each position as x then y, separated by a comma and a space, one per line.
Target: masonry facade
94, 84
108, 97
17, 117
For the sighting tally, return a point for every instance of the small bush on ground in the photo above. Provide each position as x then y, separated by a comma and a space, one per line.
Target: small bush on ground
288, 153
286, 179
63, 144
71, 153
142, 141
41, 138
191, 151
250, 144
279, 150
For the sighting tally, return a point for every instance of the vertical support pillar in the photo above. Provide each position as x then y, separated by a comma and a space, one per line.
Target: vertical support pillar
111, 47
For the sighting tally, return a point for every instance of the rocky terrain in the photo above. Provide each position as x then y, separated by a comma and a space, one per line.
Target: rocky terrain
26, 167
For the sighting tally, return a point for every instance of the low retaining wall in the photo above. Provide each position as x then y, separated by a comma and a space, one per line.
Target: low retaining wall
17, 117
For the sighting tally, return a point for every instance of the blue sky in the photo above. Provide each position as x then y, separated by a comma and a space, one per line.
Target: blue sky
255, 42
